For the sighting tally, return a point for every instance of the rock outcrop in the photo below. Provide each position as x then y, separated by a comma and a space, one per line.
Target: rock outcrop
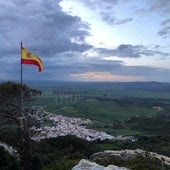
87, 165
10, 150
127, 154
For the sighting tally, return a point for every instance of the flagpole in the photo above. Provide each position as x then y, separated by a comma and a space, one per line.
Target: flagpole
24, 131
21, 64
21, 84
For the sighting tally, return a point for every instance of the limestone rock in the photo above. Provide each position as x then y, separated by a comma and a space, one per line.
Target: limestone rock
88, 165
10, 150
127, 154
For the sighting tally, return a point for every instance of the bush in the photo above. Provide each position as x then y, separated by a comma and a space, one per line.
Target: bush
4, 158
146, 162
37, 162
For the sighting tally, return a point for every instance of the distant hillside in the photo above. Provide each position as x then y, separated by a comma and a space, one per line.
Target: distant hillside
146, 86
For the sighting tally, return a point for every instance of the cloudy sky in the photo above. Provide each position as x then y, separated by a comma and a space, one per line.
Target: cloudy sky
87, 40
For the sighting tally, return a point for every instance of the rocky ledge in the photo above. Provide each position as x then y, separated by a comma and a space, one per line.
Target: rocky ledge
121, 155
127, 154
88, 165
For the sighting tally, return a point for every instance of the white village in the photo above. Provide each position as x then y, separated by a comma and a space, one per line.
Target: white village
62, 126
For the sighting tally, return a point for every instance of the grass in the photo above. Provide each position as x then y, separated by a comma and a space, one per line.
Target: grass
103, 111
106, 112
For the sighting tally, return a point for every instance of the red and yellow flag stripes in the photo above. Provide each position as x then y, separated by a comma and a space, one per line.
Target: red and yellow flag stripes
30, 58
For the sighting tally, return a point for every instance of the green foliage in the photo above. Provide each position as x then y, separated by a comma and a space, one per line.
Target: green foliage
146, 162
13, 89
110, 161
63, 152
37, 163
62, 164
14, 109
4, 158
8, 132
10, 104
158, 144
154, 125
7, 162
14, 166
66, 145
139, 162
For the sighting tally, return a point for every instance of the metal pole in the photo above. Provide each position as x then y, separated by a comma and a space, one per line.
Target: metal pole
21, 64
21, 85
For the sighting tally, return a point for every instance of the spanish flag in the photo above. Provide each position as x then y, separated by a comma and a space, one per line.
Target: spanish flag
30, 58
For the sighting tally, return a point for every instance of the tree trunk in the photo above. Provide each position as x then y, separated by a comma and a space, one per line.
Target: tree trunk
25, 146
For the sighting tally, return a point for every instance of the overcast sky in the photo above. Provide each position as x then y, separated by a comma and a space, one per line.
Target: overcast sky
87, 40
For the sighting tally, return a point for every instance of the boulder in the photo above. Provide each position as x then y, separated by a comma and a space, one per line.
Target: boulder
88, 165
126, 155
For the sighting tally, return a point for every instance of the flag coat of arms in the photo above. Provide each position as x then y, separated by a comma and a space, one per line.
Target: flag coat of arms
29, 58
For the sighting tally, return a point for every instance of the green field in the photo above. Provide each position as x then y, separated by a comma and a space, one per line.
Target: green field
93, 109
111, 107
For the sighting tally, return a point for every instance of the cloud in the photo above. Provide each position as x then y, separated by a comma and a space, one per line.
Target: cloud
102, 5
104, 76
160, 5
40, 25
165, 30
165, 22
106, 11
112, 20
123, 21
84, 67
122, 73
46, 31
157, 9
130, 51
126, 50
72, 65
